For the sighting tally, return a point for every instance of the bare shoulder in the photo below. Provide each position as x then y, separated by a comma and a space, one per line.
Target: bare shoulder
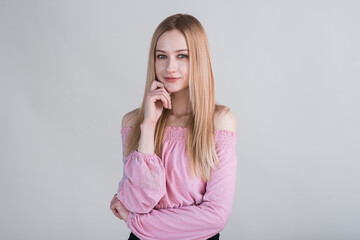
224, 119
129, 118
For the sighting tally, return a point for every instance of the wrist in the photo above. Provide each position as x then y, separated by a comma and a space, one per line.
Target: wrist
148, 126
126, 216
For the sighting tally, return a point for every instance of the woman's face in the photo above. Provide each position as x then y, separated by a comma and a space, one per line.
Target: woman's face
172, 61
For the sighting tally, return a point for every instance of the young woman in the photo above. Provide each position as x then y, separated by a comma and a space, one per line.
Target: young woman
179, 147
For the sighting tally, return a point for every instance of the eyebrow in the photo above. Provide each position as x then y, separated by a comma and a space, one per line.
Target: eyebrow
180, 50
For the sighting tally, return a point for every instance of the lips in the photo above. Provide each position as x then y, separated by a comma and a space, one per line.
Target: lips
171, 79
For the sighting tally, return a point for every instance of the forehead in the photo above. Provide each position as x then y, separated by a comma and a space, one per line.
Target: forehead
171, 41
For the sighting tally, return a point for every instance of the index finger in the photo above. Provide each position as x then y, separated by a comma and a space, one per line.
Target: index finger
155, 84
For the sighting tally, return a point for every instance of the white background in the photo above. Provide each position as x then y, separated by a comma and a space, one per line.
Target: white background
289, 70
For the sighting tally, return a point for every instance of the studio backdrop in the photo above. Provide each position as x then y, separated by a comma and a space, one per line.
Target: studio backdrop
289, 70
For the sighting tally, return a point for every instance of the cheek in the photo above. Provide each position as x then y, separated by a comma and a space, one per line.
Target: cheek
184, 67
157, 69
159, 66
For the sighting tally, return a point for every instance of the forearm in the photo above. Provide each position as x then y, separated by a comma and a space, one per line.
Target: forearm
146, 141
187, 222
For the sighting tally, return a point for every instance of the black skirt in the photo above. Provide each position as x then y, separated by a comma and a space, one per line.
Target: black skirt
215, 237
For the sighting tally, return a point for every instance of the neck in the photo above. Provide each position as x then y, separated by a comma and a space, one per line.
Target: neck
180, 102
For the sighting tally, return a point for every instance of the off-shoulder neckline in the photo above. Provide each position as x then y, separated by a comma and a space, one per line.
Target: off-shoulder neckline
177, 134
185, 129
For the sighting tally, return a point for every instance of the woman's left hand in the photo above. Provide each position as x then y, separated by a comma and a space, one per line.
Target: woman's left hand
118, 208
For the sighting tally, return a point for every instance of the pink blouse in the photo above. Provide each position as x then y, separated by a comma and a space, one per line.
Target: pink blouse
165, 202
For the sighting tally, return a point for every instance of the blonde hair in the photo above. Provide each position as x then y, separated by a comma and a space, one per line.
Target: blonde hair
200, 143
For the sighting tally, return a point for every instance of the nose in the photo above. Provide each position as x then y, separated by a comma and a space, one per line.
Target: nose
171, 65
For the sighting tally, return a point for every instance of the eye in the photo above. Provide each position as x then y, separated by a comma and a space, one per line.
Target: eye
161, 56
182, 56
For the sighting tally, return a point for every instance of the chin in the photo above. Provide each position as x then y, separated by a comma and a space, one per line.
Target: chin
174, 89
170, 90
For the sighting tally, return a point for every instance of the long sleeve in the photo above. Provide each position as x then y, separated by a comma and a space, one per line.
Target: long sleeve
143, 182
197, 221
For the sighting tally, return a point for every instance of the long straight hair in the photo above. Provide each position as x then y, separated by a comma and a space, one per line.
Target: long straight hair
200, 143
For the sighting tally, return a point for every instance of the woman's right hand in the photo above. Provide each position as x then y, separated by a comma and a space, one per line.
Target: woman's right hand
155, 100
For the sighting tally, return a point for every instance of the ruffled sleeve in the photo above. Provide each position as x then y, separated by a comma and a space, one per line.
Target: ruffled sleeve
197, 221
143, 182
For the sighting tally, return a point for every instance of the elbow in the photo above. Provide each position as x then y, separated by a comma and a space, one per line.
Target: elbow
150, 196
221, 217
141, 200
221, 223
147, 202
136, 203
